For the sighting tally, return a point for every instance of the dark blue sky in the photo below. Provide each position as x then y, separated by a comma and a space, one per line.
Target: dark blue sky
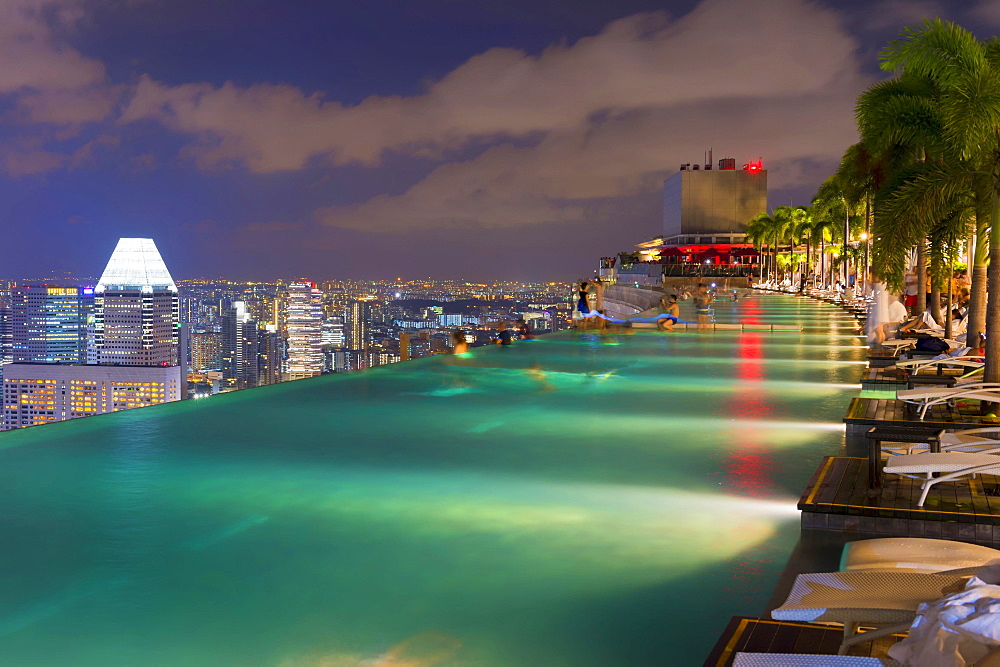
256, 139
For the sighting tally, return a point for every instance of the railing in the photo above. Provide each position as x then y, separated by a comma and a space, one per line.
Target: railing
710, 270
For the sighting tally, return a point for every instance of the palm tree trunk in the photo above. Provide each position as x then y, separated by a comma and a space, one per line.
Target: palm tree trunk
992, 372
921, 276
951, 290
935, 304
977, 287
868, 236
822, 261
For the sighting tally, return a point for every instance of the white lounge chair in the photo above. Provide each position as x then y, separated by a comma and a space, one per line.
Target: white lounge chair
914, 554
950, 465
927, 397
888, 599
809, 660
971, 435
968, 363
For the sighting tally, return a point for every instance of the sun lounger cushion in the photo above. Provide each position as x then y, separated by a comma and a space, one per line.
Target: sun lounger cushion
921, 464
807, 660
860, 596
914, 554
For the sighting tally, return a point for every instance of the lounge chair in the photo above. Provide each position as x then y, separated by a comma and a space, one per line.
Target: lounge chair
971, 435
914, 554
809, 660
950, 465
925, 398
966, 362
888, 599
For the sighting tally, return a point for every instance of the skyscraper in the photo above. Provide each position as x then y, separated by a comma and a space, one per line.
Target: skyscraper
304, 326
358, 320
239, 347
269, 354
206, 351
136, 310
48, 324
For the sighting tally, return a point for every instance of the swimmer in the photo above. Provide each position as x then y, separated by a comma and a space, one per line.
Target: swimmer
459, 344
703, 307
665, 323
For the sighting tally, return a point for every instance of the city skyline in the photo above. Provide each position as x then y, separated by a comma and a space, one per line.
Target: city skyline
259, 139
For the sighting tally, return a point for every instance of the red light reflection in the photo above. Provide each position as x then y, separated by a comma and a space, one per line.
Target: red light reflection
748, 467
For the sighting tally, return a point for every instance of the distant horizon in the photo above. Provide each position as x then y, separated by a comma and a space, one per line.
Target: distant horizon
315, 280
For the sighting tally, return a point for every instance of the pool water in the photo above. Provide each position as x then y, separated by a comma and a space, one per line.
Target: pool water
580, 499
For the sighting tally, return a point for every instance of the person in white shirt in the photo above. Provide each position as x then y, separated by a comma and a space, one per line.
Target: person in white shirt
896, 315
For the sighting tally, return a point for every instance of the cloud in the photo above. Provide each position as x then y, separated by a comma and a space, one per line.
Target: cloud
573, 175
639, 62
32, 58
269, 227
17, 163
987, 12
895, 14
67, 106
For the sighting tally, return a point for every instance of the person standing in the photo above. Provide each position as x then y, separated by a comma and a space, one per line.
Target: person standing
910, 292
703, 307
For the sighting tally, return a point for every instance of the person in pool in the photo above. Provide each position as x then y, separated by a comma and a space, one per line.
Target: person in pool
524, 330
459, 344
504, 336
703, 307
665, 323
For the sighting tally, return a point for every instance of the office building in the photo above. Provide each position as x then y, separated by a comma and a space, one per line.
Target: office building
48, 324
270, 352
359, 315
36, 394
136, 309
304, 327
713, 205
239, 347
6, 333
206, 351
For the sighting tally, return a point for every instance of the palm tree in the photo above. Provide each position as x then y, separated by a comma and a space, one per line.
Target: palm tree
760, 232
967, 75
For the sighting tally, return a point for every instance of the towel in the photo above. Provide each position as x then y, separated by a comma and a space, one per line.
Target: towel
956, 630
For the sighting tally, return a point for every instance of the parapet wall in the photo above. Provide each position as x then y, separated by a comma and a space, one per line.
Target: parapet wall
622, 301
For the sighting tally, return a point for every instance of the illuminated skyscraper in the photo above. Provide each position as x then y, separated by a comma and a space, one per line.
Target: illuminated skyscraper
359, 313
206, 351
304, 326
239, 347
269, 354
136, 310
6, 333
48, 324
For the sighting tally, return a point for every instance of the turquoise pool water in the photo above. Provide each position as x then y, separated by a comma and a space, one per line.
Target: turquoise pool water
573, 500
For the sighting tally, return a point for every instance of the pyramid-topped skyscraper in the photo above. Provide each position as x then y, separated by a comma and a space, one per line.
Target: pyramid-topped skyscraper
136, 264
136, 310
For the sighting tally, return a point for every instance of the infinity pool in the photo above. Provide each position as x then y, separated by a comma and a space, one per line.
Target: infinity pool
573, 500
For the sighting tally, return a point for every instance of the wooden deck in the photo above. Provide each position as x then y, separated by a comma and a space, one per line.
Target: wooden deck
754, 635
838, 498
863, 413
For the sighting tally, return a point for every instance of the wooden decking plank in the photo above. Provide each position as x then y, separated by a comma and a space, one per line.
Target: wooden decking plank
759, 637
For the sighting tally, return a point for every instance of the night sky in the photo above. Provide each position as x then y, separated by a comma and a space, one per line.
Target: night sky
517, 139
